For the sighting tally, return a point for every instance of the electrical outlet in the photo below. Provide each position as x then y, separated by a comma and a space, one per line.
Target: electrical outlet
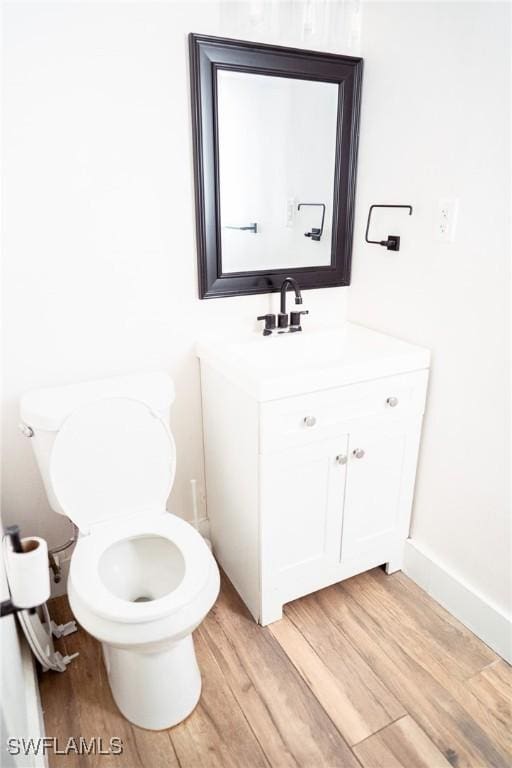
290, 211
446, 219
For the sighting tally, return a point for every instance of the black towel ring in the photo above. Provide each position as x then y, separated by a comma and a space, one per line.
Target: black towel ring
393, 241
316, 232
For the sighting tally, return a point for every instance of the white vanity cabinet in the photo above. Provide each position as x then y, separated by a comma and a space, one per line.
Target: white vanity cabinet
306, 490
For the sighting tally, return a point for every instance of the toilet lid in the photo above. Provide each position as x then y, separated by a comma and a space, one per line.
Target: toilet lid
112, 458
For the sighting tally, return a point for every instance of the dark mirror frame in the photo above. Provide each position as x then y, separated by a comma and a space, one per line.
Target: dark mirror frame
209, 54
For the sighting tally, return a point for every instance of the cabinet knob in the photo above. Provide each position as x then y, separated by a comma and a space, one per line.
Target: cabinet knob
309, 421
392, 401
341, 458
358, 453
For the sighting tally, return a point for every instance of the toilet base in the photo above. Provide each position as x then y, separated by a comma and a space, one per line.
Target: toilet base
154, 690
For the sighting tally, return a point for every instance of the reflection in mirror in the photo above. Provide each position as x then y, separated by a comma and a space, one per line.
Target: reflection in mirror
277, 153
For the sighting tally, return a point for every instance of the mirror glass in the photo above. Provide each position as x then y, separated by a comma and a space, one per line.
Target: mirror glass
277, 154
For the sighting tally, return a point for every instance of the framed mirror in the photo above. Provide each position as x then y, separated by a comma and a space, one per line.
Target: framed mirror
275, 148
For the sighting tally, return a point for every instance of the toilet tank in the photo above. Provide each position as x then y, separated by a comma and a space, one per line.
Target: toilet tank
43, 411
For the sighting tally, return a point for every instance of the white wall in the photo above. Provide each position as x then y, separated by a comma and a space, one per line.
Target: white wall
99, 271
436, 123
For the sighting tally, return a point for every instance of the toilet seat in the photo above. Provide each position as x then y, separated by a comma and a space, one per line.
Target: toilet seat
112, 458
112, 468
88, 584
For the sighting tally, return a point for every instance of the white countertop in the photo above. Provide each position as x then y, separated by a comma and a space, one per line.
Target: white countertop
273, 367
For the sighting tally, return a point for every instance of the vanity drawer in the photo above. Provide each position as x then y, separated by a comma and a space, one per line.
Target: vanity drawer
298, 420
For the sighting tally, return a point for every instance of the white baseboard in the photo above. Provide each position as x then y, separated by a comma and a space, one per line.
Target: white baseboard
487, 621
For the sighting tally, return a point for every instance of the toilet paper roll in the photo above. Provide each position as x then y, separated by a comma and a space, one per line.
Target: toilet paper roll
28, 574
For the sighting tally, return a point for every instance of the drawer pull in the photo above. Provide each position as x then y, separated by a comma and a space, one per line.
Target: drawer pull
392, 401
309, 421
358, 453
341, 458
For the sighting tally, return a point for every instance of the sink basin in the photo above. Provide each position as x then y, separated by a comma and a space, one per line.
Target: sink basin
292, 350
271, 367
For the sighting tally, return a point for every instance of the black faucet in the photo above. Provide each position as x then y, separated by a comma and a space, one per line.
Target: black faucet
284, 287
282, 318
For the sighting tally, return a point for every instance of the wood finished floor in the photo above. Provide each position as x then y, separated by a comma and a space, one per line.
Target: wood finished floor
369, 673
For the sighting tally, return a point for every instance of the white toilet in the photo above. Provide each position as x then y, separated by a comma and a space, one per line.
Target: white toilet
141, 579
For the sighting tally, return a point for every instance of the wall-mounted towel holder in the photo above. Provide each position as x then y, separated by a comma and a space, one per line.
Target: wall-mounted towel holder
393, 241
253, 227
316, 232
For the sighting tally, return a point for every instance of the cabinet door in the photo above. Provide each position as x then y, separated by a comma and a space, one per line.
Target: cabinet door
373, 490
302, 509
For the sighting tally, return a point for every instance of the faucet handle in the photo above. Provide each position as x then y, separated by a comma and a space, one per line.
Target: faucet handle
270, 323
295, 316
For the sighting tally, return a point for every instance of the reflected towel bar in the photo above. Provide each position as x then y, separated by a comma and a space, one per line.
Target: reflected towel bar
315, 234
249, 228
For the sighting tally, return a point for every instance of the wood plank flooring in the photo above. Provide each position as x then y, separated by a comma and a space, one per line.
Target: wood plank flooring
370, 673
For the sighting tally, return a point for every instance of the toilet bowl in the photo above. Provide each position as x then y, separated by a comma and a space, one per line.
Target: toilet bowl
141, 587
141, 579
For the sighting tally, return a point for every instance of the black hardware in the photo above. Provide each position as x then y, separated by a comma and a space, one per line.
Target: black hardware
13, 533
283, 323
315, 233
282, 318
295, 319
249, 228
393, 241
6, 606
270, 323
284, 287
207, 56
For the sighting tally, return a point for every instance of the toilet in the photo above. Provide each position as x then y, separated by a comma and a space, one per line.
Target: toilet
141, 579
